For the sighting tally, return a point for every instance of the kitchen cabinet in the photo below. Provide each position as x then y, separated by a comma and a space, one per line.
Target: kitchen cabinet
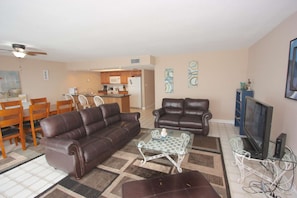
124, 77
104, 77
123, 74
135, 73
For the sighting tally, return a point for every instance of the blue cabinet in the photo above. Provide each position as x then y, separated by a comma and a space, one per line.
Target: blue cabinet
240, 108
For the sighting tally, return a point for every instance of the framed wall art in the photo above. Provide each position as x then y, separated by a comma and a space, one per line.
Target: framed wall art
192, 74
291, 85
10, 84
168, 80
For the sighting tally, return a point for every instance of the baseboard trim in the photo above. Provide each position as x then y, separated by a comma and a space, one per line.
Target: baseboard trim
222, 121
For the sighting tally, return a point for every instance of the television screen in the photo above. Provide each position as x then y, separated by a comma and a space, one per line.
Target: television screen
257, 125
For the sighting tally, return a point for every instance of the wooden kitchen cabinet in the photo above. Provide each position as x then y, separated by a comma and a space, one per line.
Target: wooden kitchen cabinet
123, 74
135, 73
124, 77
104, 77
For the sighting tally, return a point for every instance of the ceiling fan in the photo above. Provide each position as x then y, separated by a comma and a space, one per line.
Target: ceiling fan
19, 51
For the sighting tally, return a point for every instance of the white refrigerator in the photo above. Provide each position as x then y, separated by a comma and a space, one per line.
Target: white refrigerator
134, 90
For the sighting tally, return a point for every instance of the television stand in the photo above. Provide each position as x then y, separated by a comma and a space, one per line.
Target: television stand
277, 172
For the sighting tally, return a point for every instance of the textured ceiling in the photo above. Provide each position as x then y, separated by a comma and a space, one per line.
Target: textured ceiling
77, 30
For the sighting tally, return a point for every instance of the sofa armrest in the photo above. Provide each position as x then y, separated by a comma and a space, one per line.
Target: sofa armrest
158, 112
63, 146
133, 116
206, 116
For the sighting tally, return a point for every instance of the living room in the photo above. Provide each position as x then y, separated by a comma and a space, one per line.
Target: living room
265, 62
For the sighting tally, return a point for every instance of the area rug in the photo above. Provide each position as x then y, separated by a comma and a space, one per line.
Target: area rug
125, 165
16, 156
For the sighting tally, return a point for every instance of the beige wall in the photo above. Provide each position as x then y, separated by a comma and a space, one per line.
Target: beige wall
268, 63
85, 82
220, 74
31, 76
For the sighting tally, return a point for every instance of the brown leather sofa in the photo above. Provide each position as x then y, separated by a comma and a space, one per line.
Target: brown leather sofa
184, 114
77, 141
188, 184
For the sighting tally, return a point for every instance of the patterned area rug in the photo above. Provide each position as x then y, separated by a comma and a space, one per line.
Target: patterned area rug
125, 165
16, 156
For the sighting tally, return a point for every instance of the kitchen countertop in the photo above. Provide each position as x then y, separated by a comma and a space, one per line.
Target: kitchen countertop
106, 95
114, 95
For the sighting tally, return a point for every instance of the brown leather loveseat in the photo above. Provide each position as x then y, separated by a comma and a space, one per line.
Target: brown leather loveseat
76, 142
184, 114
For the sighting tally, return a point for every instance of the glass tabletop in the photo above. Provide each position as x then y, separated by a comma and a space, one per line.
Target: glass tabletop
175, 142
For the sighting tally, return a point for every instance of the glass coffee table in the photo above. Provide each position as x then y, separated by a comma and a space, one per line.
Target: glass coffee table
175, 143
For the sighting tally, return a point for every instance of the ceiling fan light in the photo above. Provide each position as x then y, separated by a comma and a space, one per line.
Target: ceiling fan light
19, 54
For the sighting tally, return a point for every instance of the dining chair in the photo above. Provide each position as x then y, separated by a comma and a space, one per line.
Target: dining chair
38, 100
83, 100
98, 100
70, 97
11, 127
64, 106
38, 112
11, 104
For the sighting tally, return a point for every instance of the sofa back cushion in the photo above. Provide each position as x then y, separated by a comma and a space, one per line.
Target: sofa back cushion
92, 119
173, 106
196, 106
111, 113
67, 125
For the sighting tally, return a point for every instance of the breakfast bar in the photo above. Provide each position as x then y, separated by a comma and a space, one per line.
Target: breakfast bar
122, 99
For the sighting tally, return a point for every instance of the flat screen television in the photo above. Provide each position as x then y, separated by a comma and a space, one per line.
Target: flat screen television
257, 125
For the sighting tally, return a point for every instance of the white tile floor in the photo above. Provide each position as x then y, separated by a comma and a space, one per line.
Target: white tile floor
32, 178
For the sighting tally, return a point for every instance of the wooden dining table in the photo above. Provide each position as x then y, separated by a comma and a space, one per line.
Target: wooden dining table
26, 112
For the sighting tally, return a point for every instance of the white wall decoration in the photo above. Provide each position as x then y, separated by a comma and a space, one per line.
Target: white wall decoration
169, 86
192, 74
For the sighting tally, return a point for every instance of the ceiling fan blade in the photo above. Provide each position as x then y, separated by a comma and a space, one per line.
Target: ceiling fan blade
36, 53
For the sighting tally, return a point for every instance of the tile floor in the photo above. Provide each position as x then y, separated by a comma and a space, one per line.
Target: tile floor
32, 178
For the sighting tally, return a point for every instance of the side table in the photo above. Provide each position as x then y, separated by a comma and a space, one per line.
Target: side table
278, 172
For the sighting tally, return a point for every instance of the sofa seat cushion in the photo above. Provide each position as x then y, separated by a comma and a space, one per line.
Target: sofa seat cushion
191, 122
113, 134
170, 119
131, 127
93, 147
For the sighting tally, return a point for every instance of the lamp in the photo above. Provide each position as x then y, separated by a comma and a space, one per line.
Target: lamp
19, 54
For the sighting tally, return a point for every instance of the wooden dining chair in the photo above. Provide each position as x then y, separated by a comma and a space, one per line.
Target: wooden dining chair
11, 104
70, 97
38, 112
38, 100
11, 127
64, 106
98, 100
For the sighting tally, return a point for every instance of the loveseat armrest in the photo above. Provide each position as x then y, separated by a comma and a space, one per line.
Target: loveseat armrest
206, 116
63, 146
158, 112
133, 116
